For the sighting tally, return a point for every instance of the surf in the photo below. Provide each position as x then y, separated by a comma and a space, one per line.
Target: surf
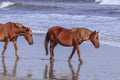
6, 4
108, 2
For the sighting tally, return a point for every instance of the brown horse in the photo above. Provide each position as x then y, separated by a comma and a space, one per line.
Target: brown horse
10, 32
69, 37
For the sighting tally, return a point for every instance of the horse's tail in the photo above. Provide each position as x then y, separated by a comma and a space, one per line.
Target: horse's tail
46, 43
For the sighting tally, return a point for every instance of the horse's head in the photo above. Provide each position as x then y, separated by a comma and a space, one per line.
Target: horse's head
94, 38
26, 32
28, 36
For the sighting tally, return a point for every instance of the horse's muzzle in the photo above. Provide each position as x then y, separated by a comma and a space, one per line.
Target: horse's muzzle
97, 46
30, 43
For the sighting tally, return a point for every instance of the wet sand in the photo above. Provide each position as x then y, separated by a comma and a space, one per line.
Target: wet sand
99, 64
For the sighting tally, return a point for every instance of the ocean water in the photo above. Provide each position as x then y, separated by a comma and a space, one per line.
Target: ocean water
40, 15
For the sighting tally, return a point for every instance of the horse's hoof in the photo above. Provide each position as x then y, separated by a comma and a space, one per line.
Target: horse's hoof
18, 57
69, 60
3, 55
80, 61
52, 60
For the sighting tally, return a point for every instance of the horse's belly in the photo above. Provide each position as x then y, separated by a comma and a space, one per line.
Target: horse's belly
2, 39
65, 38
67, 41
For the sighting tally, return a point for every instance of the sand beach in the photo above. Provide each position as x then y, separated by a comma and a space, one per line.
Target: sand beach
40, 15
98, 64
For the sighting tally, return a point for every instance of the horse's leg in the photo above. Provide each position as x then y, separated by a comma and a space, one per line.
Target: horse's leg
51, 50
5, 47
16, 48
52, 46
78, 51
73, 51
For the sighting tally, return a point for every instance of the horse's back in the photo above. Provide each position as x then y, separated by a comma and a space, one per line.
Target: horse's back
1, 25
62, 35
6, 30
7, 25
56, 28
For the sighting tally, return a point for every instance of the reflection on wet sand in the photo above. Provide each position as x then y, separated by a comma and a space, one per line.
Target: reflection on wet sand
5, 72
75, 75
50, 74
12, 74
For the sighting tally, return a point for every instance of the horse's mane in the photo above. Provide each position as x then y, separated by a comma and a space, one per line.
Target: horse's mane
19, 25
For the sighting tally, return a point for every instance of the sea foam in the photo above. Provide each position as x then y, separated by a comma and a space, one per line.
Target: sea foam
109, 2
6, 4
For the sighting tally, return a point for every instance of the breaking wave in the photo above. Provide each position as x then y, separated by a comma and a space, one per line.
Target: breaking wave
31, 5
109, 2
6, 4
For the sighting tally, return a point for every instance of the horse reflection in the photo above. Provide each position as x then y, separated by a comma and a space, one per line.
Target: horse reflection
5, 72
75, 75
51, 73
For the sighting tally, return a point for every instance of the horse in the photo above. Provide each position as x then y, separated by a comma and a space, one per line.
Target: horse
69, 37
11, 31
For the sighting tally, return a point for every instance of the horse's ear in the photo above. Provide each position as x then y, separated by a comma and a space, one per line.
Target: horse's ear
97, 32
93, 32
18, 25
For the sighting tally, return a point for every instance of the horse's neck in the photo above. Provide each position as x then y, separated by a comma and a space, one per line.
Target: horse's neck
20, 31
